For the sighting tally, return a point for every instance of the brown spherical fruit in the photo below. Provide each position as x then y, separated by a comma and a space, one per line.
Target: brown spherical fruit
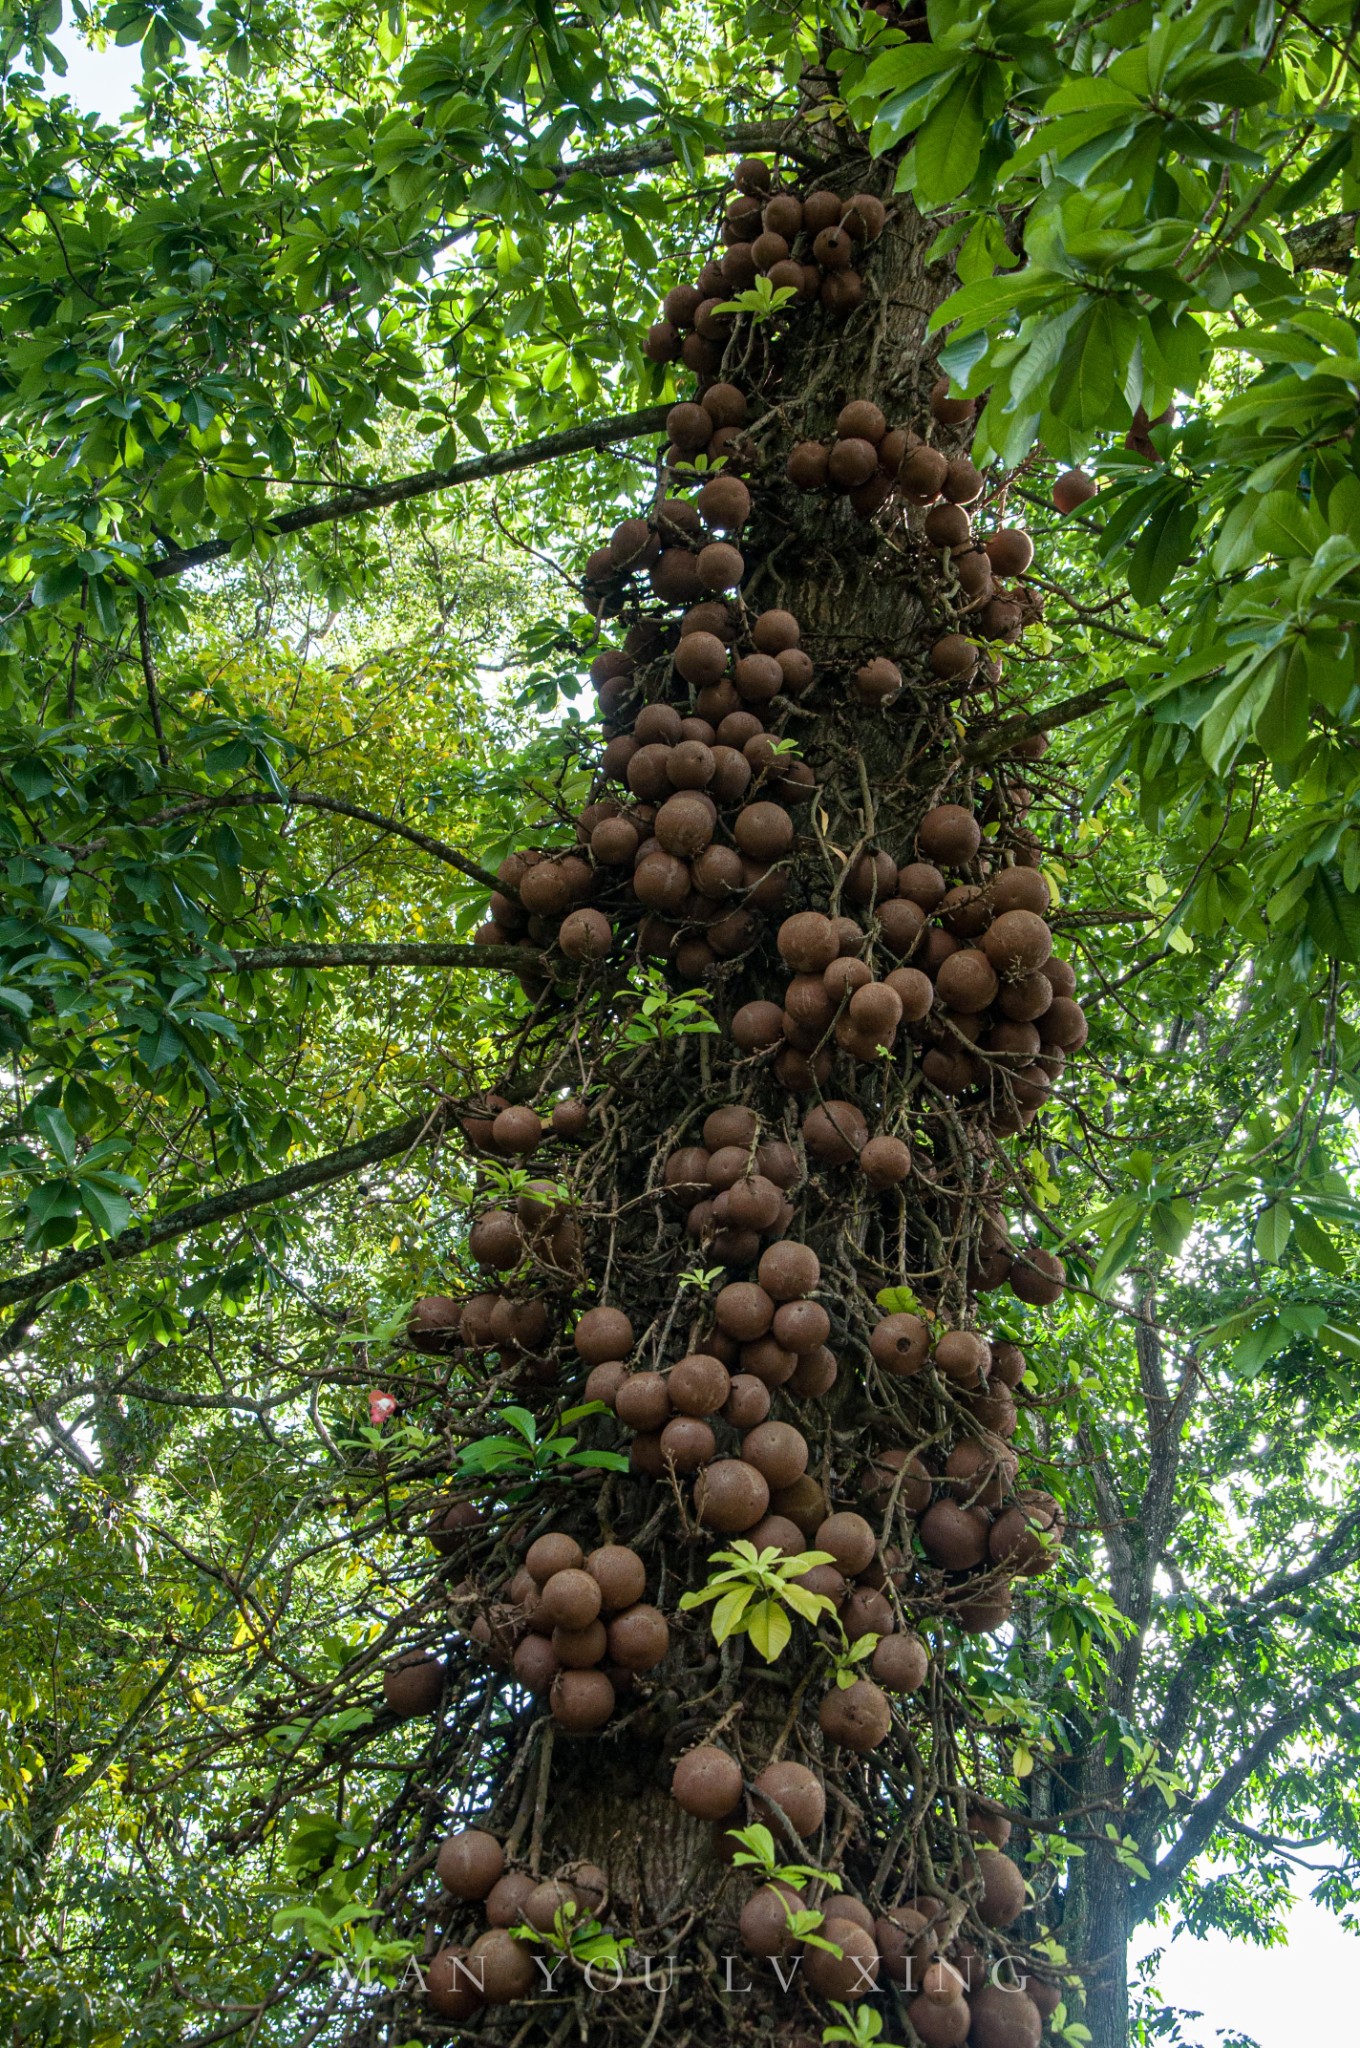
962, 1356
856, 1716
864, 216
878, 682
725, 503
900, 1663
853, 1970
807, 466
861, 420
748, 1403
585, 935
414, 1686
620, 1575
551, 1554
469, 1863
950, 412
1017, 943
940, 2026
1003, 2017
506, 1966
797, 1792
639, 1638
642, 1401
763, 1923
1009, 550
914, 990
900, 1344
505, 1902
949, 834
707, 1782
576, 1649
571, 1599
453, 1983
921, 473
1003, 1889
581, 1701
954, 1537
758, 678
835, 1133
758, 1026
788, 1271
967, 981
1037, 1277
720, 566
1072, 490
807, 942
516, 1130
778, 1451
730, 1496
851, 463
764, 831
698, 1385
954, 659
850, 1540
603, 1334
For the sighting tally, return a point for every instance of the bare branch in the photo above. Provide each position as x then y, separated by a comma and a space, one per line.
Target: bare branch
347, 504
494, 959
1001, 738
1327, 244
292, 1182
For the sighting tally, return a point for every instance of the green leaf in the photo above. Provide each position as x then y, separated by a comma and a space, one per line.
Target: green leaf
770, 1629
949, 144
1273, 1229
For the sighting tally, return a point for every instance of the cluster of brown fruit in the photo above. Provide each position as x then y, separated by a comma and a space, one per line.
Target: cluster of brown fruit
810, 246
497, 1969
574, 1627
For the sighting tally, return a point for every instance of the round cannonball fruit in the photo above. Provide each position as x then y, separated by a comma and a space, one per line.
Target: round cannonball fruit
504, 1966
707, 1782
414, 1686
788, 1271
853, 1970
841, 290
864, 216
570, 1599
581, 1701
763, 1922
878, 682
620, 1575
577, 1649
940, 2026
642, 1401
551, 1554
962, 482
900, 1663
967, 981
950, 412
639, 1638
835, 1133
851, 463
730, 1496
1017, 943
949, 835
778, 1451
689, 426
857, 1716
720, 566
453, 1983
725, 503
900, 1344
698, 1385
1003, 1890
808, 465
763, 831
1009, 550
505, 1901
962, 1356
469, 1863
603, 1334
1038, 1277
585, 935
885, 1162
1003, 2017
1072, 490
516, 1130
849, 1539
954, 1537
922, 472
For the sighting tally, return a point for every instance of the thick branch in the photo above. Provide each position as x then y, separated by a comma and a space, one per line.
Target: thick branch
293, 1181
1212, 1809
306, 800
1001, 738
497, 959
649, 156
625, 426
1327, 244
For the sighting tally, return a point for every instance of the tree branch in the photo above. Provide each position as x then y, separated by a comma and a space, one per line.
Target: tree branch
1327, 244
496, 959
1148, 1894
649, 156
293, 1181
306, 800
1001, 738
625, 426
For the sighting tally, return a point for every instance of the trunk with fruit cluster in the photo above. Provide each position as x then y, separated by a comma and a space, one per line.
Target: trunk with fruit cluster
769, 1250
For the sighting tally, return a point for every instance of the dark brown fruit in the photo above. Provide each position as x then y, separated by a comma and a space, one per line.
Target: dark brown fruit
962, 482
730, 1496
921, 474
915, 991
661, 343
962, 1356
1003, 2017
950, 835
603, 1334
1010, 550
620, 1575
857, 1716
878, 682
675, 575
726, 406
725, 503
967, 981
948, 526
570, 1599
581, 1700
953, 1537
469, 1863
585, 935
807, 942
550, 1554
506, 1966
434, 1324
639, 1638
850, 1540
777, 1451
885, 1162
835, 1133
720, 566
900, 1663
950, 412
856, 1967
698, 1385
940, 2026
801, 1327
833, 248
757, 1026
1003, 1890
900, 1344
536, 1664
764, 1919
642, 1401
861, 420
788, 1271
576, 1649
1073, 489
851, 463
807, 465
864, 216
414, 1686
707, 1783
748, 1403
689, 426
954, 658
797, 1791
453, 1983
517, 1130
764, 831
1037, 1277
758, 678
505, 1902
